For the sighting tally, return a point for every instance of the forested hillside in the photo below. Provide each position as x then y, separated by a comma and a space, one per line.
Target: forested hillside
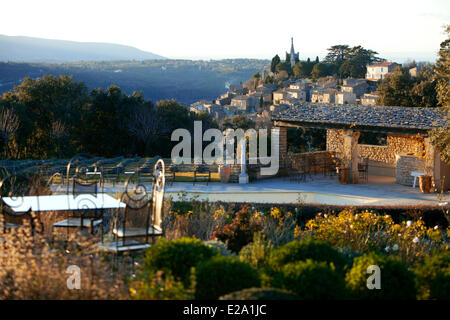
184, 80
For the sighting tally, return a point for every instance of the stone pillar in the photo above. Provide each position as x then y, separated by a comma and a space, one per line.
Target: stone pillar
283, 147
243, 177
351, 153
430, 153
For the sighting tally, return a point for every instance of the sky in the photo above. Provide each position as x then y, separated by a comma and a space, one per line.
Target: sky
195, 29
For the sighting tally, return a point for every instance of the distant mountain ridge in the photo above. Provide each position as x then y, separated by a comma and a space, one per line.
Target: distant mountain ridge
29, 49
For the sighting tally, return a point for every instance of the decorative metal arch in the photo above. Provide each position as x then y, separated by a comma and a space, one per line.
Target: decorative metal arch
159, 182
16, 186
136, 194
81, 168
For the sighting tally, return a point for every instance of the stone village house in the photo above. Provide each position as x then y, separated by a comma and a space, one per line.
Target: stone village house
323, 95
244, 103
379, 70
345, 98
369, 99
356, 86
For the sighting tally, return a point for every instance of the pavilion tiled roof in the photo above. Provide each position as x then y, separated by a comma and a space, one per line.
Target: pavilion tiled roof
370, 118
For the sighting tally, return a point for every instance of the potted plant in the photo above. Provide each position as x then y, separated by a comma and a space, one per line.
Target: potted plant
425, 183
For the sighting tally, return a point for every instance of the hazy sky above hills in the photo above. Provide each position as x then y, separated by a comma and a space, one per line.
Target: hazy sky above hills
197, 29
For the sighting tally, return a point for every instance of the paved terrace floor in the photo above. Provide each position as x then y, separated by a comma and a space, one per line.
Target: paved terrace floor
379, 191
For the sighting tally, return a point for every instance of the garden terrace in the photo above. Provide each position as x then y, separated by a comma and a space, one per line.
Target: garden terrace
113, 170
315, 190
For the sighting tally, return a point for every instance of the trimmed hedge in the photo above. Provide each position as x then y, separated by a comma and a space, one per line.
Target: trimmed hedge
316, 250
312, 280
433, 277
177, 256
223, 274
397, 282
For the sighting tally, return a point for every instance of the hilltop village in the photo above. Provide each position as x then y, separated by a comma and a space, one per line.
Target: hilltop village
283, 85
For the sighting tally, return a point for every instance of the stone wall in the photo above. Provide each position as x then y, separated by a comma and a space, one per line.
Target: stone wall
235, 172
335, 141
313, 159
253, 171
396, 145
383, 160
405, 165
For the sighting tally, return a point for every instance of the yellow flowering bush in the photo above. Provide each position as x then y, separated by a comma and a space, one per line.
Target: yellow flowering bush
279, 226
275, 213
366, 231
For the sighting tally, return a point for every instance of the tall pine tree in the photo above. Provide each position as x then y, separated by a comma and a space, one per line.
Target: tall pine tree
441, 137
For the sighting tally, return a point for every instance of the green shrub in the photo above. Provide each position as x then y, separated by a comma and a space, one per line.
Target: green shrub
397, 282
312, 280
177, 257
260, 294
307, 249
432, 277
222, 275
159, 286
219, 246
440, 286
256, 253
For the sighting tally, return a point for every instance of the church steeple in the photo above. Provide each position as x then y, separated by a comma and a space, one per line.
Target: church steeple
292, 56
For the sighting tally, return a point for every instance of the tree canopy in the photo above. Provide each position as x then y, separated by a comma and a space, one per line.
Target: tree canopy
56, 116
275, 60
441, 138
399, 88
351, 61
341, 60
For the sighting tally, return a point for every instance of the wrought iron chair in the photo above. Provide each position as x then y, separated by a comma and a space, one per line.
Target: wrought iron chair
202, 174
328, 166
336, 163
363, 170
83, 218
54, 179
309, 166
296, 171
132, 166
170, 174
110, 172
13, 189
141, 220
145, 172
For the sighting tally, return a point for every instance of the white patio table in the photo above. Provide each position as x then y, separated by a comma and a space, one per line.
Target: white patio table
416, 174
62, 202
